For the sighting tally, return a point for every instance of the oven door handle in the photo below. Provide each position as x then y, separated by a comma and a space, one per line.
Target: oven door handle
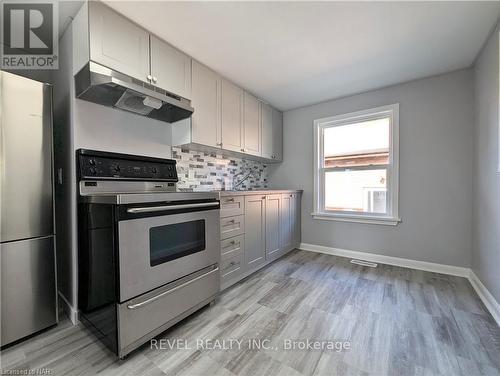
151, 209
156, 297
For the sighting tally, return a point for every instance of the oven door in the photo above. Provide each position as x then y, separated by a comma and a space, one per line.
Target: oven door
164, 242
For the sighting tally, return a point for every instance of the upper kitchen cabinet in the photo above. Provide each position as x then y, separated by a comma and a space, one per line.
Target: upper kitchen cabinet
170, 68
267, 130
277, 135
272, 133
205, 122
251, 126
118, 43
231, 116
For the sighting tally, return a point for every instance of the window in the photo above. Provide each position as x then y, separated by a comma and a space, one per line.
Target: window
356, 166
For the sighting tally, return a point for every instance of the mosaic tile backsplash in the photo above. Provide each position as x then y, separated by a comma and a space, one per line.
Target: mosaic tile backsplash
201, 171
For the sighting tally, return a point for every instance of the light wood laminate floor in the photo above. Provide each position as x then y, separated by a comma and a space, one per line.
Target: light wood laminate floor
398, 322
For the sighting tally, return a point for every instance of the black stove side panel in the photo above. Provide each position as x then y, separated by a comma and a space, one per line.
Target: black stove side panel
97, 271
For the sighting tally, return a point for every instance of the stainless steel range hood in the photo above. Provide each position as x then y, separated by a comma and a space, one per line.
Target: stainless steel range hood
98, 84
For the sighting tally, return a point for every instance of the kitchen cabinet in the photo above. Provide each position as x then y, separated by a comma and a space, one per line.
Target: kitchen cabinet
287, 221
273, 225
225, 116
232, 246
232, 226
296, 220
232, 263
205, 122
272, 133
251, 126
118, 43
277, 135
170, 68
267, 130
121, 45
231, 116
255, 206
231, 267
231, 206
252, 228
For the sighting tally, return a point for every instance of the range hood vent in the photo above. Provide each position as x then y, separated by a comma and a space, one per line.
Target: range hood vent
98, 84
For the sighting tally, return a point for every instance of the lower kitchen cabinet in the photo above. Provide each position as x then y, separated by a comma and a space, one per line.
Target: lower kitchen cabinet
232, 263
290, 221
273, 226
297, 213
255, 211
287, 213
268, 228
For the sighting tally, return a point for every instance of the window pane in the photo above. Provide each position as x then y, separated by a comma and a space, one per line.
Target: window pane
358, 144
358, 191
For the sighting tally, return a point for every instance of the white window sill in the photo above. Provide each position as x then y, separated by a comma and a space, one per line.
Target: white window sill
367, 219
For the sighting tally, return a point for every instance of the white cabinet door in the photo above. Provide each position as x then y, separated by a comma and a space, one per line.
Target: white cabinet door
267, 130
231, 116
251, 125
286, 222
205, 101
118, 43
170, 68
255, 206
296, 220
273, 224
277, 135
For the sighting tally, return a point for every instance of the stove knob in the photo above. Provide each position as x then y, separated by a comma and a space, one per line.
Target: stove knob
116, 169
155, 170
92, 162
93, 171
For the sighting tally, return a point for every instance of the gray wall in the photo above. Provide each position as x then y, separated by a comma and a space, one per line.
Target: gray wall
436, 129
486, 198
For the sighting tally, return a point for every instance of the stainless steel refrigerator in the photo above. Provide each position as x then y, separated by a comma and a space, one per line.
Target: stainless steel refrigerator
27, 240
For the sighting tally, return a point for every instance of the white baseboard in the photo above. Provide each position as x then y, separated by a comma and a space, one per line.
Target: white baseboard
488, 299
483, 293
68, 309
390, 260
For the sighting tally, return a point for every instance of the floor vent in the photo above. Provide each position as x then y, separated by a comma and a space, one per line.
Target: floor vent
364, 263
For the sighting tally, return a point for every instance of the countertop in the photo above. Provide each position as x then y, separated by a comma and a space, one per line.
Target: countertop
258, 192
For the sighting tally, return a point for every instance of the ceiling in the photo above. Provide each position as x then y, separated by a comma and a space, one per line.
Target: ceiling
293, 54
67, 11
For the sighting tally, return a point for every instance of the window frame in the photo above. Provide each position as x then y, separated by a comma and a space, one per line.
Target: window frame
392, 168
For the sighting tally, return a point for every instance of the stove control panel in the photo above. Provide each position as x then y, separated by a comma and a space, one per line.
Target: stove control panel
98, 165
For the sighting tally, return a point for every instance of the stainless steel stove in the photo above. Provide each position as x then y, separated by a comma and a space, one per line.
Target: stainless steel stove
148, 255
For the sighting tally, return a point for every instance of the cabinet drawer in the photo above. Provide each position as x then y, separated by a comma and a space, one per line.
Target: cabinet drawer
231, 206
151, 312
231, 246
232, 226
231, 267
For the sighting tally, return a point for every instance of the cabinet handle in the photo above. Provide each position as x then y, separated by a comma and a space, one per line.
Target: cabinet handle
149, 77
231, 221
243, 150
219, 143
230, 199
155, 79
